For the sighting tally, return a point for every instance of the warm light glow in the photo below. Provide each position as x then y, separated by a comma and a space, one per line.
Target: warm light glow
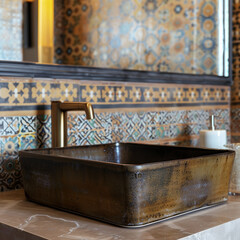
45, 30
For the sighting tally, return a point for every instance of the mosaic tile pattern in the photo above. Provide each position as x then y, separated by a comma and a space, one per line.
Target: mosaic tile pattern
235, 121
11, 30
167, 36
29, 132
9, 126
166, 113
235, 91
10, 174
28, 95
166, 127
43, 131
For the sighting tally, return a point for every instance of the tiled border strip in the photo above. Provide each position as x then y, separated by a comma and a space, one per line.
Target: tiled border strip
28, 95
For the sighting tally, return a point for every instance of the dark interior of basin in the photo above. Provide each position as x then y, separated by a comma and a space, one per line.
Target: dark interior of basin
129, 153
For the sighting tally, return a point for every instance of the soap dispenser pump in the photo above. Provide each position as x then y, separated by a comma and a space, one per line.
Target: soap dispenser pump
212, 123
213, 138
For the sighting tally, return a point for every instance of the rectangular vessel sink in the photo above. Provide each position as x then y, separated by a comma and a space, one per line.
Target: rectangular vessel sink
127, 184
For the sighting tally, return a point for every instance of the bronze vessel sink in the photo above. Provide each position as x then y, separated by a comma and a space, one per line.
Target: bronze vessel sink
127, 184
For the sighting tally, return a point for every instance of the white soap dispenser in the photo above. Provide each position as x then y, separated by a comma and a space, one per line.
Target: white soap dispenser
213, 138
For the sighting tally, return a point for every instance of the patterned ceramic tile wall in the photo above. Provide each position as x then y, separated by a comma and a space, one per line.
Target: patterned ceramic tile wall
11, 30
163, 113
162, 126
168, 36
235, 91
28, 94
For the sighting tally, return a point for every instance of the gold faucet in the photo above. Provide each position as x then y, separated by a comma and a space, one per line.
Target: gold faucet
59, 119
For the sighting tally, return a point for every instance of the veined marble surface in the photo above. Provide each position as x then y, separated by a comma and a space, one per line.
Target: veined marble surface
21, 219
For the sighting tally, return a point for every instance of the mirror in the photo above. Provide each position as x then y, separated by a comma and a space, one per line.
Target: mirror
187, 37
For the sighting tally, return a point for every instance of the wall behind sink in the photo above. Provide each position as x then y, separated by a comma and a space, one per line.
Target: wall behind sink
235, 91
162, 113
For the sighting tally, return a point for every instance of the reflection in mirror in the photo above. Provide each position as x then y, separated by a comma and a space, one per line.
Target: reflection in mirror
11, 30
27, 30
165, 36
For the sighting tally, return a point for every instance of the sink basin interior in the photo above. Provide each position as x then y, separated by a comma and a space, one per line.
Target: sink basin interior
129, 153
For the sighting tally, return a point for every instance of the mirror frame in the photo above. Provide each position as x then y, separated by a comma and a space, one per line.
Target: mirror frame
36, 70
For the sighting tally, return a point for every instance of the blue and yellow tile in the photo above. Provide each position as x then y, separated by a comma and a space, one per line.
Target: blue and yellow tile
9, 126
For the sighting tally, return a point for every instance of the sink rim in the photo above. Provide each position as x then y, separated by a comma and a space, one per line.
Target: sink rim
164, 163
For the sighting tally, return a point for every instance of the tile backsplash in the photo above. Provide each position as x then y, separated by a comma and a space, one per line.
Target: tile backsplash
162, 113
235, 90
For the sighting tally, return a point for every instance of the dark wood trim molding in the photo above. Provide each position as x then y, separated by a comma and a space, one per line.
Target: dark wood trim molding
35, 70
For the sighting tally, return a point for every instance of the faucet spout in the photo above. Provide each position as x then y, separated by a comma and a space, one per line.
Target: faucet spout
59, 119
77, 106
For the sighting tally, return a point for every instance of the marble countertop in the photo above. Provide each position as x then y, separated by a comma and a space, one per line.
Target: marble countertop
21, 219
